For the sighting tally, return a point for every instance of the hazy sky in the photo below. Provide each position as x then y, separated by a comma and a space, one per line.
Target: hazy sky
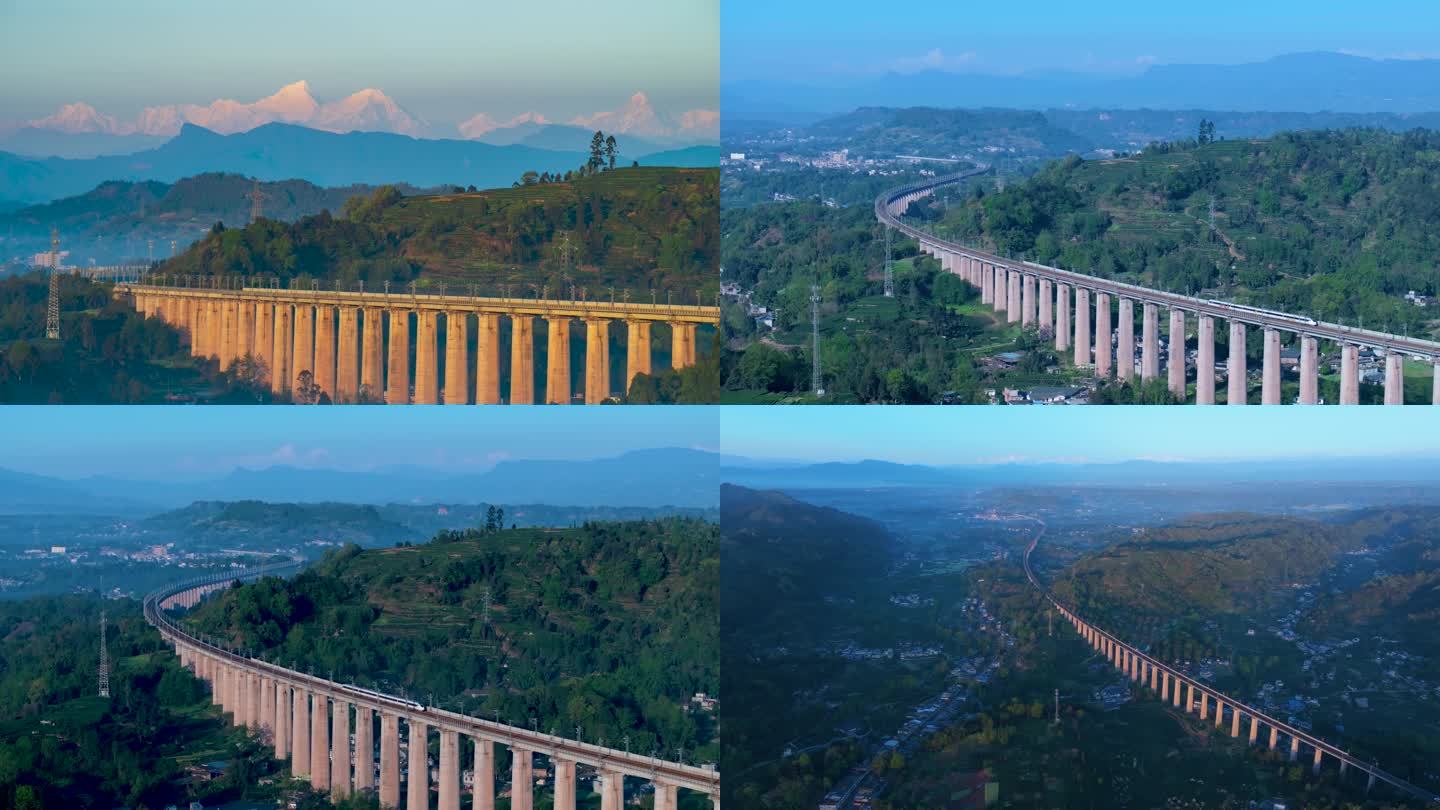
815, 39
939, 435
443, 60
157, 442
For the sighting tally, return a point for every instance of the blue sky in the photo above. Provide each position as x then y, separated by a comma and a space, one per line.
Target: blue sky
161, 442
939, 435
443, 60
815, 39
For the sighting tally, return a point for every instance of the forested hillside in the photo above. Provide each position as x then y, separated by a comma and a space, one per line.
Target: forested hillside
1338, 225
649, 231
609, 626
106, 353
918, 347
62, 745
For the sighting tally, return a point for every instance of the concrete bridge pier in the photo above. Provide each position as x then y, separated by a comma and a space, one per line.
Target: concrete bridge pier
267, 705
240, 694
564, 783
1047, 302
1062, 317
1103, 345
1164, 686
1149, 345
1435, 383
1394, 378
1234, 721
1294, 748
282, 721
666, 797
522, 360
987, 285
522, 779
1027, 299
427, 372
1205, 361
264, 340
347, 363
1155, 680
1270, 369
304, 358
1309, 370
1237, 386
397, 382
229, 331
1219, 711
1002, 287
1189, 698
1274, 737
612, 790
682, 337
457, 358
1125, 350
449, 770
372, 353
1082, 327
417, 785
325, 350
557, 360
245, 340
364, 748
319, 741
1204, 707
1175, 365
340, 750
1316, 767
483, 786
300, 732
487, 359
256, 704
637, 351
597, 360
390, 760
1254, 728
281, 370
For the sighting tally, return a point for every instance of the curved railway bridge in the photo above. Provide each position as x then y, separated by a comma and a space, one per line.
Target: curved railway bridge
312, 722
1193, 697
1063, 302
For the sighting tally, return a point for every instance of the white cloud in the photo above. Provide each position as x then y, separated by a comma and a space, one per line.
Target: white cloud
933, 59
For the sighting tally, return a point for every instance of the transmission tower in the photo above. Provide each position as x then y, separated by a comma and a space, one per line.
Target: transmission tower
889, 268
1057, 707
485, 616
815, 382
172, 248
52, 307
256, 198
150, 250
104, 661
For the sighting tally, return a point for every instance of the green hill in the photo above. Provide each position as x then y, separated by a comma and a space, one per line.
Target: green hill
639, 229
609, 626
1338, 225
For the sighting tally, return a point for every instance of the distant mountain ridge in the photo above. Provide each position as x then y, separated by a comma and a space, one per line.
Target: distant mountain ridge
649, 478
286, 151
872, 473
1299, 82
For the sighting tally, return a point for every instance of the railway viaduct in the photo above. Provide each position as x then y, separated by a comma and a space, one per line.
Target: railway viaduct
327, 730
1191, 696
356, 345
1076, 309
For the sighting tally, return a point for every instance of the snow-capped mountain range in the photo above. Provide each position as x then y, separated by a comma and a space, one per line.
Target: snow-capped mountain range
368, 110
